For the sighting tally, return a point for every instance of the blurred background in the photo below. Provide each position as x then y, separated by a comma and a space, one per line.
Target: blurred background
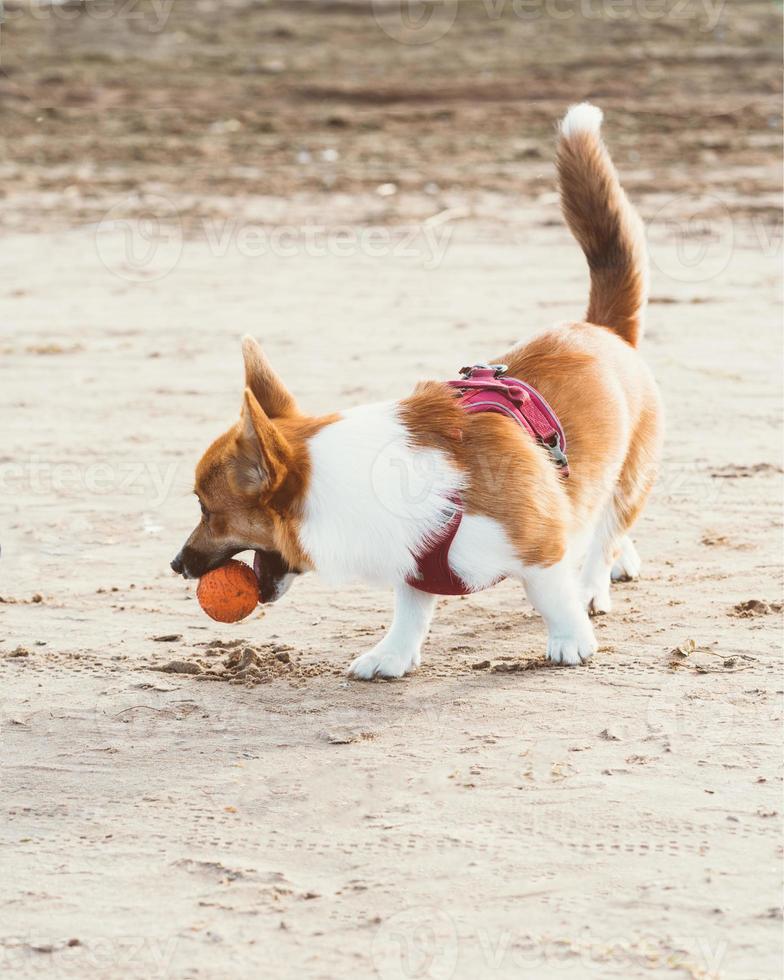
368, 110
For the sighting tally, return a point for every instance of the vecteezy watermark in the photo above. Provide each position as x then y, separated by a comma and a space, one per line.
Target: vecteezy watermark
427, 242
423, 943
142, 239
144, 247
150, 16
415, 484
416, 944
688, 246
694, 242
418, 22
68, 956
671, 715
409, 484
415, 21
686, 483
36, 476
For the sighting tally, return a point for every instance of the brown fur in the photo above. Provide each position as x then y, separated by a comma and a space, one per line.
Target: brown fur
270, 392
608, 406
252, 480
609, 232
508, 477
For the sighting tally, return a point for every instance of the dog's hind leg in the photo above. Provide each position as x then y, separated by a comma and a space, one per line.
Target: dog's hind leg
627, 565
595, 573
553, 593
400, 650
611, 554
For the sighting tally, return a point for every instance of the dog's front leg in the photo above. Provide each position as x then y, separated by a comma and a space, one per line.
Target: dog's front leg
554, 594
399, 651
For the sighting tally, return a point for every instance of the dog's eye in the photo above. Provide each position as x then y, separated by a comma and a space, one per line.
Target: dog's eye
204, 512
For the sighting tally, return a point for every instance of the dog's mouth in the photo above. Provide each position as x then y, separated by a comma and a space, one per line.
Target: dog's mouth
273, 574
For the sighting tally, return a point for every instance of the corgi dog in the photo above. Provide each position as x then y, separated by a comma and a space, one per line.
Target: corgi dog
358, 495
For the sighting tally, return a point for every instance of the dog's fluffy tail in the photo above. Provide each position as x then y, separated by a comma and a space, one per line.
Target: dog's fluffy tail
604, 223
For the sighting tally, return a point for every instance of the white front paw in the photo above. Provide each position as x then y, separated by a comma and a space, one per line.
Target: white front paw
571, 648
384, 661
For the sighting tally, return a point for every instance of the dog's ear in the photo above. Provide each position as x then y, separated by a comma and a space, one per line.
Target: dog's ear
263, 454
271, 394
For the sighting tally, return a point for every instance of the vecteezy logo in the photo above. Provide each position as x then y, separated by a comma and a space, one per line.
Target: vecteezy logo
415, 21
140, 240
691, 247
416, 944
407, 483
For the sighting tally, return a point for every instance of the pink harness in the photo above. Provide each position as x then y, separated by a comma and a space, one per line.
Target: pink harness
483, 389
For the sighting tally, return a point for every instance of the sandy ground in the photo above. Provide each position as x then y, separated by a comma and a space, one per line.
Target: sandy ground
499, 820
490, 816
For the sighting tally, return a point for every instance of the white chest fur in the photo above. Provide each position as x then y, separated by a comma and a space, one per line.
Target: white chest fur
374, 497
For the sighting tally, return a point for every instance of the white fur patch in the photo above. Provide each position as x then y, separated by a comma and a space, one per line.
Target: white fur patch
582, 118
283, 585
481, 552
373, 497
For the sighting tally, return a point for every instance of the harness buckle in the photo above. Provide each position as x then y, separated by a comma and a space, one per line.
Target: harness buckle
497, 369
555, 451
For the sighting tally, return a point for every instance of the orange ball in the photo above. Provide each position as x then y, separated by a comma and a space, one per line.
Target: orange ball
229, 593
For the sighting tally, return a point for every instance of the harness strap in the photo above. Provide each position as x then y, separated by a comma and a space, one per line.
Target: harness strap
435, 575
483, 389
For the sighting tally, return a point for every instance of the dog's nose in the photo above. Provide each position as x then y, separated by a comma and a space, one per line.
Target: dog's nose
176, 565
